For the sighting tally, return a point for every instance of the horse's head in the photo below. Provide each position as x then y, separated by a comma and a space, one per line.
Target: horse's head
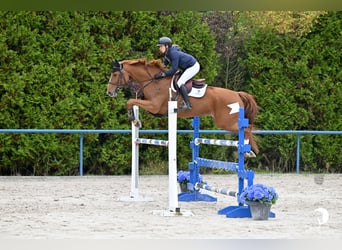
136, 74
118, 79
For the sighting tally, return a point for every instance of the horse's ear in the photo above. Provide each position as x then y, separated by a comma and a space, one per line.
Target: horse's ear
116, 64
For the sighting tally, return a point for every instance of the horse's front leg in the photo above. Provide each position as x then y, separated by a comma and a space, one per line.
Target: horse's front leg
131, 116
134, 118
152, 107
144, 104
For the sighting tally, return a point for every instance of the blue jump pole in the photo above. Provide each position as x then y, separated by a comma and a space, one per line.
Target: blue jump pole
194, 186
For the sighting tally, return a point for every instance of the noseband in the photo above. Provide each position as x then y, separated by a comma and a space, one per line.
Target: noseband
121, 77
136, 87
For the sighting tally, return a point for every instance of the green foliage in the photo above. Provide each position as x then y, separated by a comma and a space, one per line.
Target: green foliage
54, 67
229, 45
297, 83
53, 70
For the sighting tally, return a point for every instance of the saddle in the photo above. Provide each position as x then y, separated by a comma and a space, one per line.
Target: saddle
192, 83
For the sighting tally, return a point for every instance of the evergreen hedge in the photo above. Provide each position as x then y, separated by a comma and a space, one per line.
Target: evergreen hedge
54, 67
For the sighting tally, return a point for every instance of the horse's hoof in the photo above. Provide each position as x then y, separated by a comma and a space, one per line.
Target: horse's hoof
137, 123
131, 118
250, 154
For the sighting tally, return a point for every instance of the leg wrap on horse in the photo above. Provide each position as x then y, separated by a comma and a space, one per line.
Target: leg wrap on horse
184, 94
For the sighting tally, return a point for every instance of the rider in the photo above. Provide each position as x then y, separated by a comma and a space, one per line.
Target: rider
178, 60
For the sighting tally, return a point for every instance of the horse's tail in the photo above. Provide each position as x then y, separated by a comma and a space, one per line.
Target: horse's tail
251, 110
251, 107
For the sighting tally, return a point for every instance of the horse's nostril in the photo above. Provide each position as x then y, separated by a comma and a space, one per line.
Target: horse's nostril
111, 94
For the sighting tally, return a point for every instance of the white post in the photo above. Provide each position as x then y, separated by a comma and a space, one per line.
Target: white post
135, 156
174, 209
134, 194
173, 191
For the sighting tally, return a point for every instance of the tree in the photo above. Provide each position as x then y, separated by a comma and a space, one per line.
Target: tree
297, 84
53, 69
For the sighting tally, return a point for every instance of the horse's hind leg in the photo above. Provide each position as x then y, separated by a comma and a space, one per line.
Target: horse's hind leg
249, 136
231, 124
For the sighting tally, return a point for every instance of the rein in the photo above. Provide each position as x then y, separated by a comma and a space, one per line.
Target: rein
136, 87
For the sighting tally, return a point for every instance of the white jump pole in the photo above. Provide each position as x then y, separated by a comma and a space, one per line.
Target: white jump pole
174, 209
135, 156
173, 191
134, 193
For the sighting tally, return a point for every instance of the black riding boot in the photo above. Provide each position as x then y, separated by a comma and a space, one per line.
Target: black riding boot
184, 94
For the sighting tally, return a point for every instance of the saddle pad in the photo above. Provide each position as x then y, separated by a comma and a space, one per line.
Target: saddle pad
198, 92
195, 92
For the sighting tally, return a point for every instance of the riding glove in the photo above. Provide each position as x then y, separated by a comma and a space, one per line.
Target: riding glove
159, 75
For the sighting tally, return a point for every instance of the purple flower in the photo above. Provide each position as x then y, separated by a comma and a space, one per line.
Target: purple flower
260, 193
184, 177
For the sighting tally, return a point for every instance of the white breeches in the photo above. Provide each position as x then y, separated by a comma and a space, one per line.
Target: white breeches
188, 74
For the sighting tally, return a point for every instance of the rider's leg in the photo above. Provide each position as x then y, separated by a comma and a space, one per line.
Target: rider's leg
184, 93
187, 75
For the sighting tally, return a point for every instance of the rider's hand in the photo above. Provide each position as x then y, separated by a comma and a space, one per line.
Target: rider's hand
159, 75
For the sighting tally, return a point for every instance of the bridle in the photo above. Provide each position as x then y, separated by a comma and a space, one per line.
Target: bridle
121, 77
136, 87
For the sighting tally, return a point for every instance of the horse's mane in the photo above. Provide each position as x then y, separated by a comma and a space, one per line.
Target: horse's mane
154, 63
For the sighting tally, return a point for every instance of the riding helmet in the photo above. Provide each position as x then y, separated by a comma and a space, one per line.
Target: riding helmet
164, 41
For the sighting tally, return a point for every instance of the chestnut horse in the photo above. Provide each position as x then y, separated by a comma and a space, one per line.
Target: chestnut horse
153, 95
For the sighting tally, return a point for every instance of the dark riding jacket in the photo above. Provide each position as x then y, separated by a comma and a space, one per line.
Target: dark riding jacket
178, 60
